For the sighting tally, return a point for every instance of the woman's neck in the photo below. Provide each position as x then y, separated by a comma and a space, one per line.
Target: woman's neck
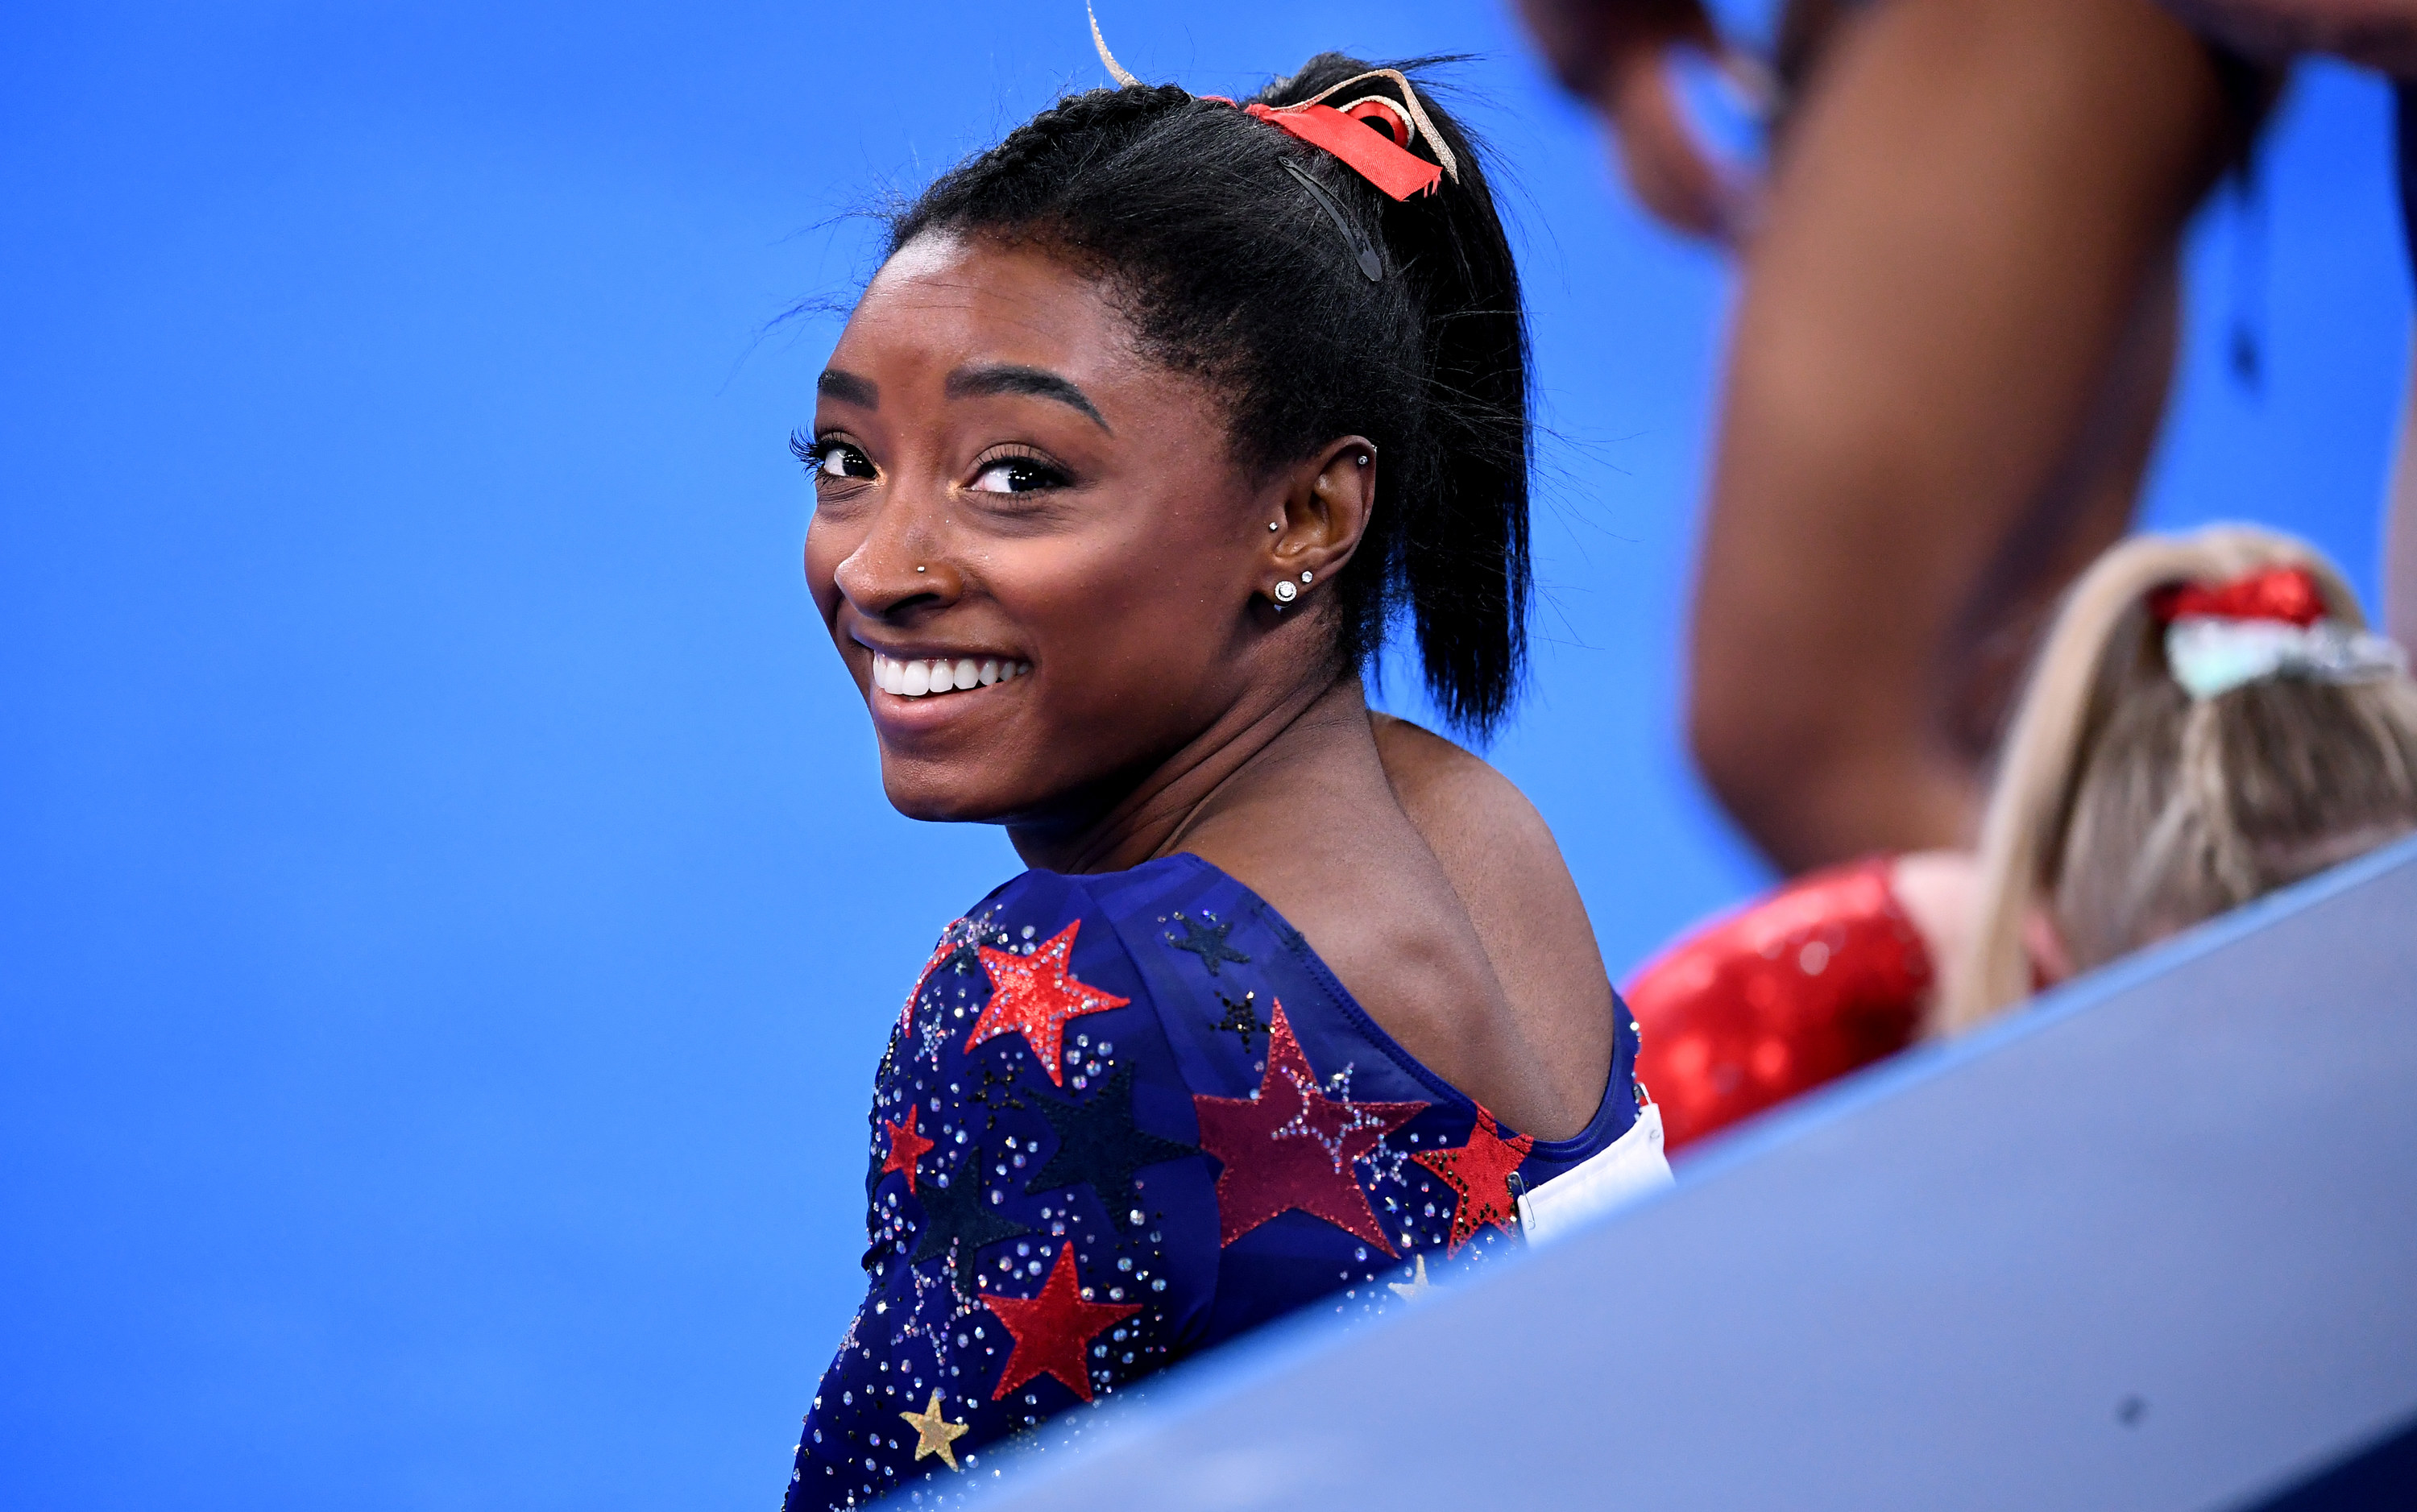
1227, 765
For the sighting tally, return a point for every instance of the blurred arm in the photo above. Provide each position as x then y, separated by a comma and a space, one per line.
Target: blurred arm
1947, 370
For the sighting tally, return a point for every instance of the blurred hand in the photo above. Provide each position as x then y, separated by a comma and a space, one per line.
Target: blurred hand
1668, 168
2374, 34
1618, 54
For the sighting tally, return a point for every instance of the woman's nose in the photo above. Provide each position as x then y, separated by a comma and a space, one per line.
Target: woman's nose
895, 566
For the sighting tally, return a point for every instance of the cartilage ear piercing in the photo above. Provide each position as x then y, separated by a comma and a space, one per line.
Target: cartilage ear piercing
1363, 459
1287, 593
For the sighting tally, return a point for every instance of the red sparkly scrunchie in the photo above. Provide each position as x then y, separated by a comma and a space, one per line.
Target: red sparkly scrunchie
2288, 594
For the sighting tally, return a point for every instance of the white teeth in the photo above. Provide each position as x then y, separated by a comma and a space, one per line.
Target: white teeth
942, 674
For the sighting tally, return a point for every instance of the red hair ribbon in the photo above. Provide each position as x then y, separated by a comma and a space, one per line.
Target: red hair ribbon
2288, 594
1382, 113
1373, 134
1372, 153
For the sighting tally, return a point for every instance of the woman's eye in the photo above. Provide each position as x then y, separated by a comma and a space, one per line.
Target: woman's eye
1017, 474
837, 459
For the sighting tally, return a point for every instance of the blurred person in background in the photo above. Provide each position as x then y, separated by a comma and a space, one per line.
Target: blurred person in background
1952, 354
2207, 719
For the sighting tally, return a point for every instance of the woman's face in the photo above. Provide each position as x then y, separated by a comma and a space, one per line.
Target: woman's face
1006, 489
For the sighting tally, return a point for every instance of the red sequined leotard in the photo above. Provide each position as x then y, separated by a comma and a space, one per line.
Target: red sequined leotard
1822, 978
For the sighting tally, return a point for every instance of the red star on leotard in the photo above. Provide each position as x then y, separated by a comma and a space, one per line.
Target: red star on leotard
1289, 1145
1052, 1330
1034, 995
1480, 1171
906, 1147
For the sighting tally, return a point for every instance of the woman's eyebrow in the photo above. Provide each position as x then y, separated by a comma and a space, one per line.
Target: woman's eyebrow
1008, 378
848, 388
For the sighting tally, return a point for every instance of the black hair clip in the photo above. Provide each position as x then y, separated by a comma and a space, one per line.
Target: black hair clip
1370, 263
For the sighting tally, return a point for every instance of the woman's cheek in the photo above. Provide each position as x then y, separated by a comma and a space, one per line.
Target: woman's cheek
1049, 588
822, 560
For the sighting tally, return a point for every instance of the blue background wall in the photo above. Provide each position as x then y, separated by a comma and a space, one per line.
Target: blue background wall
448, 920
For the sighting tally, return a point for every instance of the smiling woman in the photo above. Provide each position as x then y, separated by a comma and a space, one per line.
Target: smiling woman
1155, 420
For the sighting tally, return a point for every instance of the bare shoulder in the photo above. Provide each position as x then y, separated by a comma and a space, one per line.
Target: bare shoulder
1507, 871
1454, 793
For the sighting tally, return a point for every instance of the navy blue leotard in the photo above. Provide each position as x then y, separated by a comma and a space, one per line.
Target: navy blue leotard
1122, 1119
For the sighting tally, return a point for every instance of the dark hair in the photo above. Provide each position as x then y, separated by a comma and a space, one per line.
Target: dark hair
1230, 269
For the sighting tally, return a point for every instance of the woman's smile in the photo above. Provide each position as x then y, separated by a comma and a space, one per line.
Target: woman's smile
917, 690
922, 676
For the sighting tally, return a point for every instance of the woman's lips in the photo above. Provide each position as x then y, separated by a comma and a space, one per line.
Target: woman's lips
927, 676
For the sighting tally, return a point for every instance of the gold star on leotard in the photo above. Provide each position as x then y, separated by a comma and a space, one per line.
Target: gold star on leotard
1416, 1286
936, 1434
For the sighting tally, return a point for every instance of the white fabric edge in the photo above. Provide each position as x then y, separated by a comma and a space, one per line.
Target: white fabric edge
1631, 1166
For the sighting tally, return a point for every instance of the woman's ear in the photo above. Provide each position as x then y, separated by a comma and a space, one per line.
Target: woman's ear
1326, 503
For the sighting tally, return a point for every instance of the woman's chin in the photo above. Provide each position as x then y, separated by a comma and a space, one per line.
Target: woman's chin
944, 793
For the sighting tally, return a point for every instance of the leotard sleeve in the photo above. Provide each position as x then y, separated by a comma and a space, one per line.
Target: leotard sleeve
1033, 1189
1817, 979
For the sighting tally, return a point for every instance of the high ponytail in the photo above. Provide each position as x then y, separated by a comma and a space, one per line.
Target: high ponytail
2127, 809
1233, 271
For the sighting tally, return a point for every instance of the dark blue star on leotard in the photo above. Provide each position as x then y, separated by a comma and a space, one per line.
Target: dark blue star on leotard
1098, 1142
959, 1212
1207, 942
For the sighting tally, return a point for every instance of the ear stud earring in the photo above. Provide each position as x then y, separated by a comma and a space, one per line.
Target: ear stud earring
1363, 459
1285, 594
1307, 578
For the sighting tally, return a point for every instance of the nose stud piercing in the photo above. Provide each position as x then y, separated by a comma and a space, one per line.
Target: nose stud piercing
1287, 593
919, 569
1275, 524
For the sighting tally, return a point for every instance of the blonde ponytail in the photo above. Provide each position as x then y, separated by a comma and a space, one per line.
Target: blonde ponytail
2156, 810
